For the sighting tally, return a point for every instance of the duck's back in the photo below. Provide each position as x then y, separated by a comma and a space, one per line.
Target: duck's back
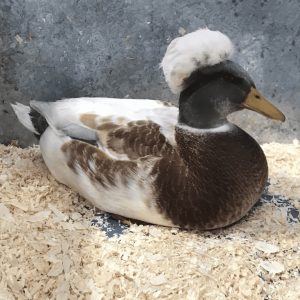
66, 115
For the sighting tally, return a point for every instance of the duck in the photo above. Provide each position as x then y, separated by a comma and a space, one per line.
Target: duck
181, 166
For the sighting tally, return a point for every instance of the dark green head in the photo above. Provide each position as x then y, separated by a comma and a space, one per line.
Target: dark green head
211, 93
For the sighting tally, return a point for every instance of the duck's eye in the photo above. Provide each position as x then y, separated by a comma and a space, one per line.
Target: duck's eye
257, 96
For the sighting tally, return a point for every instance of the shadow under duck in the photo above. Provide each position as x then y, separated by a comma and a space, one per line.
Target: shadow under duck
148, 160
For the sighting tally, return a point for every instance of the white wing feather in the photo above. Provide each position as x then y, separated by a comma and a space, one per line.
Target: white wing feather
64, 115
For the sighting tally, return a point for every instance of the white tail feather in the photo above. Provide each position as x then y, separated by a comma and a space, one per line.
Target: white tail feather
22, 111
64, 117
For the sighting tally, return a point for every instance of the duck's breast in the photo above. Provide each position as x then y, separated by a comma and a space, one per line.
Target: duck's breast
213, 180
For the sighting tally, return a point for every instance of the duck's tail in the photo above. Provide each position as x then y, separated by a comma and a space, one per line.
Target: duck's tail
30, 118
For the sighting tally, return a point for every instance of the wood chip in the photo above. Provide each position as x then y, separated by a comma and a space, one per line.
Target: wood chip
59, 215
273, 267
19, 39
3, 178
158, 280
56, 269
5, 213
5, 294
40, 216
267, 248
19, 205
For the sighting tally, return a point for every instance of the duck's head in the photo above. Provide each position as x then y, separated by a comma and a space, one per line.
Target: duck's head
211, 86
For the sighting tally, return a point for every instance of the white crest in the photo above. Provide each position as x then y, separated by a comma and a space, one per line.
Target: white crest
193, 51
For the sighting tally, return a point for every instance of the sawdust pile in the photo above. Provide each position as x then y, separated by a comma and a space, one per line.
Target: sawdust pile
48, 250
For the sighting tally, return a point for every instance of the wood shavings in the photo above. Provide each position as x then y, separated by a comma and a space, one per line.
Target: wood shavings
50, 251
284, 168
18, 39
5, 213
267, 248
19, 205
5, 295
3, 178
158, 280
40, 216
56, 269
272, 267
59, 215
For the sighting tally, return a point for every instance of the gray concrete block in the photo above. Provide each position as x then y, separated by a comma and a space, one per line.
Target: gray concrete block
72, 48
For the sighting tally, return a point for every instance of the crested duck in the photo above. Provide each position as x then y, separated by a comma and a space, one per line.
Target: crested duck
149, 160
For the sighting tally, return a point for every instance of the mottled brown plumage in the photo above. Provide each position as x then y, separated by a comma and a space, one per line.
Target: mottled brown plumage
97, 165
136, 139
133, 139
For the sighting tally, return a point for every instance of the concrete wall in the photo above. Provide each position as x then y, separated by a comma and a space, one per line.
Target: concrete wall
71, 48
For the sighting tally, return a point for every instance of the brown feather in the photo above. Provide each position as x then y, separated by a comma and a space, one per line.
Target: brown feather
135, 139
80, 154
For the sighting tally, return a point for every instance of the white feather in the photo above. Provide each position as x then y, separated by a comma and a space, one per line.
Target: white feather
193, 51
64, 115
22, 113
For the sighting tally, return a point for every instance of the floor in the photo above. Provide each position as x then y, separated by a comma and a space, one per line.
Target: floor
51, 251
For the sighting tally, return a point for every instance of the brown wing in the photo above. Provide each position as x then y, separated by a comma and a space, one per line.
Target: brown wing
131, 140
98, 166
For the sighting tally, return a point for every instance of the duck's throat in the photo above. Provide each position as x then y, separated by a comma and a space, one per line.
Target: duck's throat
200, 115
204, 119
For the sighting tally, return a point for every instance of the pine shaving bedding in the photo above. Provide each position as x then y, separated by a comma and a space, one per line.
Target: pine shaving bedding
49, 250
